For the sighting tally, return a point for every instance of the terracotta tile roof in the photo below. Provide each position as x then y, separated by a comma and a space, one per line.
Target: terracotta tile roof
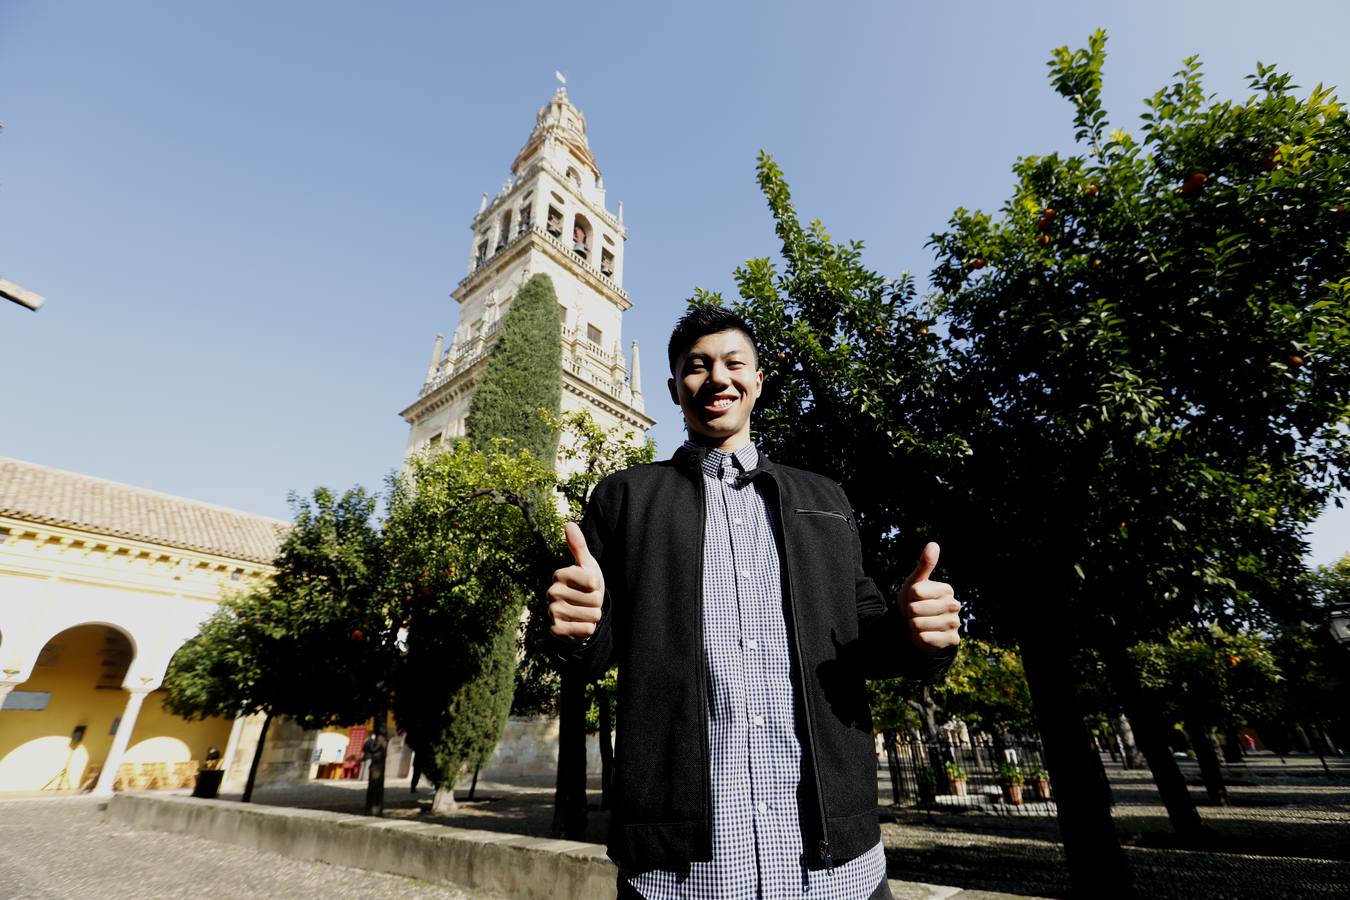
42, 494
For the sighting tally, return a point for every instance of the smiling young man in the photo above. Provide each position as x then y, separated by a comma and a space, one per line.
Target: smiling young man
729, 591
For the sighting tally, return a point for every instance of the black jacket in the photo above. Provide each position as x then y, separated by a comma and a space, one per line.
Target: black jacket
645, 528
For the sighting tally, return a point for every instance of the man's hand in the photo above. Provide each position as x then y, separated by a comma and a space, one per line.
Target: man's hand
934, 614
577, 592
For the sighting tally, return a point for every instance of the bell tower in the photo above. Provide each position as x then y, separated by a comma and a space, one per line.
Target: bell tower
549, 216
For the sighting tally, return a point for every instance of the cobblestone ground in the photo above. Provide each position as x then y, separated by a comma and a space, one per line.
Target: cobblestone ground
1285, 834
59, 848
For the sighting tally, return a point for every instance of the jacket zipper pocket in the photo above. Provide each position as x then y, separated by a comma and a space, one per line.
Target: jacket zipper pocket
826, 512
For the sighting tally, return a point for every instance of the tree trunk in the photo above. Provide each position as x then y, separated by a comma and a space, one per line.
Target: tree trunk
375, 775
257, 758
1232, 746
606, 749
937, 763
1096, 862
1133, 758
1318, 747
1151, 733
1301, 742
473, 785
443, 802
888, 740
569, 797
1203, 744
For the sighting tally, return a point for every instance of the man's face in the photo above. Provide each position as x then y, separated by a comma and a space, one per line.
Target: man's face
716, 383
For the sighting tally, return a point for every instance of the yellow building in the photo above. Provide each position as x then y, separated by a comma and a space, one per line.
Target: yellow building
100, 584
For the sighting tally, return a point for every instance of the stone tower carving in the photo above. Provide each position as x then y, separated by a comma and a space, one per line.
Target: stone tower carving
550, 217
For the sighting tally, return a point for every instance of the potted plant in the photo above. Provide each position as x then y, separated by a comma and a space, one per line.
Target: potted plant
1010, 776
957, 777
927, 783
1040, 783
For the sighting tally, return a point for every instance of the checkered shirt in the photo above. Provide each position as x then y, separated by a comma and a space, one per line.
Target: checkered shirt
756, 756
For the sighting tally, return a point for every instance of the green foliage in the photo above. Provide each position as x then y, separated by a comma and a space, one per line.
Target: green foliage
315, 644
846, 351
588, 453
466, 545
591, 453
1315, 668
1151, 352
1331, 585
523, 376
893, 704
955, 772
218, 672
329, 601
1009, 773
1208, 676
482, 512
987, 688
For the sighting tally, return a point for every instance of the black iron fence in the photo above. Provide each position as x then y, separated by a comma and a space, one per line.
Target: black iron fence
1001, 775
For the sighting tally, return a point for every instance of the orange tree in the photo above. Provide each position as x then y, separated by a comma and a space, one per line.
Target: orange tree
1151, 360
317, 643
1207, 678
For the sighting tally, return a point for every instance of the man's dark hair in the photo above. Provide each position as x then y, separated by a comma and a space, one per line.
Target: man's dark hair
706, 319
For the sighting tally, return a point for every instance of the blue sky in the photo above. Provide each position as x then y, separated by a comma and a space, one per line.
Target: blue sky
247, 217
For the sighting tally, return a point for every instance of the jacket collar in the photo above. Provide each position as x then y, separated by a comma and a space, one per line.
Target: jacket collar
689, 460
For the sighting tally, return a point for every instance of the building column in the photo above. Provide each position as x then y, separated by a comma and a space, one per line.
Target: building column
125, 726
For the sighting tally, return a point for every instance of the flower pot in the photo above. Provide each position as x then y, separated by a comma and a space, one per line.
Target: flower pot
1042, 787
959, 788
1013, 794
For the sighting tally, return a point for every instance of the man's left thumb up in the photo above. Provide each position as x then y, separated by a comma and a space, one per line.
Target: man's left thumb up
928, 561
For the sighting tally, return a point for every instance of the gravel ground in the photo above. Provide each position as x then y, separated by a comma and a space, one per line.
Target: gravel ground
58, 848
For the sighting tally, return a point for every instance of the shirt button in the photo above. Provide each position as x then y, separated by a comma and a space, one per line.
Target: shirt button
763, 807
757, 720
737, 521
752, 644
744, 573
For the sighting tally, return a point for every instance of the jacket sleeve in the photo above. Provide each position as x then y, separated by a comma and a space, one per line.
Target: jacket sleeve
888, 649
592, 657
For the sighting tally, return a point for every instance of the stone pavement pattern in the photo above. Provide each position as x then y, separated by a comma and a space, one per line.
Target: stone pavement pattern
58, 848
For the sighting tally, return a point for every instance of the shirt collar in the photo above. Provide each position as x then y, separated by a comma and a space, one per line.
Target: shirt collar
744, 459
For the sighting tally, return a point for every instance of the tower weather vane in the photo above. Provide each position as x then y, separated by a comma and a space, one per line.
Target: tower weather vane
562, 79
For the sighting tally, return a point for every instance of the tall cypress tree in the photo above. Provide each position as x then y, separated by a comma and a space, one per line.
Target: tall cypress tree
522, 377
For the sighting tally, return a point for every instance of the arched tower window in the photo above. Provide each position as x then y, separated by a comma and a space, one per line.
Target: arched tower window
555, 221
526, 217
574, 176
581, 236
504, 232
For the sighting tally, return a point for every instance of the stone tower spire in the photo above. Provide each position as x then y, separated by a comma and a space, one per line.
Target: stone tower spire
550, 216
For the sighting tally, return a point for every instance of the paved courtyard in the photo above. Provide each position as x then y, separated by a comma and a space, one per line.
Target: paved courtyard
1286, 834
61, 848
